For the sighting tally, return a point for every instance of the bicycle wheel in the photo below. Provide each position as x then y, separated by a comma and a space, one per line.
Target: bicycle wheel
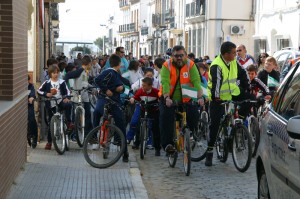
67, 137
254, 131
58, 135
199, 142
93, 100
222, 145
172, 158
241, 148
107, 153
143, 138
79, 127
186, 152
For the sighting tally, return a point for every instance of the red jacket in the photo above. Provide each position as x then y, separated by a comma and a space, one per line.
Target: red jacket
151, 97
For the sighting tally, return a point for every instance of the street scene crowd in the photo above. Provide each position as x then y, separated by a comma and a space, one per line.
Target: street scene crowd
231, 75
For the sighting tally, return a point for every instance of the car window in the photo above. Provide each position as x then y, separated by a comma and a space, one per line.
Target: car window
291, 102
282, 59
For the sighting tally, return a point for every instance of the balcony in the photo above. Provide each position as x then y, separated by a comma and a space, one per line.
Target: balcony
124, 4
134, 1
144, 31
156, 20
127, 29
168, 14
195, 12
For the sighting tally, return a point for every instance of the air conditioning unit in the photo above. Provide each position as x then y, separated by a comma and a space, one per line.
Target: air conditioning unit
237, 29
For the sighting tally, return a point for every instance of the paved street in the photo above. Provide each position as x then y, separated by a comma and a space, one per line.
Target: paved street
219, 181
49, 175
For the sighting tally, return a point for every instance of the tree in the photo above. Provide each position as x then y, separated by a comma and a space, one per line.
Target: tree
99, 43
84, 50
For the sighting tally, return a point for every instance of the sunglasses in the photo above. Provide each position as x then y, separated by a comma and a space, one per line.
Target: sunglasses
178, 55
263, 57
122, 52
238, 50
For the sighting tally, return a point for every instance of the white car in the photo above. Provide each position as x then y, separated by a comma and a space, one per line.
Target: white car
278, 160
284, 56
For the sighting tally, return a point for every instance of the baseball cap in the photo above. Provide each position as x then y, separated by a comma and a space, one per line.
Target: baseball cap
208, 61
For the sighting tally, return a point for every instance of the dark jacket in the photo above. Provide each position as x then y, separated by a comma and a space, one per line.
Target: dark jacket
263, 76
110, 79
31, 93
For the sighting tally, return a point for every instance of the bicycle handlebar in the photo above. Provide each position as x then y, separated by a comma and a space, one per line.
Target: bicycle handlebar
84, 88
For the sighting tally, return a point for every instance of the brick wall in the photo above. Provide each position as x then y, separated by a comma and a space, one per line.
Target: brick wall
13, 48
13, 129
13, 85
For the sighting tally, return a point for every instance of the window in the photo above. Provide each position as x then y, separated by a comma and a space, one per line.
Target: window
290, 103
194, 41
282, 43
282, 59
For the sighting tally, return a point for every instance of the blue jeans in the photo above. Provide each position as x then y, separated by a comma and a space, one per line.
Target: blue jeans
134, 122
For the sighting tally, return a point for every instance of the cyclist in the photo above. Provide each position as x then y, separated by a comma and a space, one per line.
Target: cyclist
55, 87
110, 83
176, 72
227, 80
81, 77
136, 115
150, 95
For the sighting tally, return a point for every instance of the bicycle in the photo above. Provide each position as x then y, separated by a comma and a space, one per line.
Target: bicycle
105, 144
181, 138
80, 116
233, 136
145, 127
58, 128
199, 141
253, 123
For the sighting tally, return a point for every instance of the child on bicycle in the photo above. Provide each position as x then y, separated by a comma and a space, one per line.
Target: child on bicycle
149, 95
136, 115
111, 84
55, 87
256, 85
81, 77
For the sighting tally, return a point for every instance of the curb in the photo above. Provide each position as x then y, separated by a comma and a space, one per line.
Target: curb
137, 182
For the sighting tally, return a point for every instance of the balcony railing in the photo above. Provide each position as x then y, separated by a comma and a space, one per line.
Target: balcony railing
195, 9
168, 14
144, 31
127, 28
156, 20
134, 1
123, 3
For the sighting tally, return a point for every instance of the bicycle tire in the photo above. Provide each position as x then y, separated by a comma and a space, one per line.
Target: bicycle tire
172, 159
199, 143
93, 100
115, 141
186, 152
239, 145
254, 131
222, 145
79, 128
57, 135
67, 137
143, 138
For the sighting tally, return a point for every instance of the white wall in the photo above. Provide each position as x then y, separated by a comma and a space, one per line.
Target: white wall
32, 38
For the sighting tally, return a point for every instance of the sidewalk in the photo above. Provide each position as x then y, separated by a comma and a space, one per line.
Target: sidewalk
49, 175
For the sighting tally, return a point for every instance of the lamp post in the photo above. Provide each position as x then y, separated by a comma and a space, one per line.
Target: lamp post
103, 47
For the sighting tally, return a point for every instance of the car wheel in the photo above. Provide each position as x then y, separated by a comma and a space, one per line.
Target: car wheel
263, 188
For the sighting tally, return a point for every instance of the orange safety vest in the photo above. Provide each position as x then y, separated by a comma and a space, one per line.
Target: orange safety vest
184, 76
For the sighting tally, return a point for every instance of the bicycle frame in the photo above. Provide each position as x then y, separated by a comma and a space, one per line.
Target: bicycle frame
179, 126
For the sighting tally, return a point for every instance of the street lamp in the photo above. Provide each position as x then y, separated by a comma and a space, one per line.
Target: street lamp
103, 46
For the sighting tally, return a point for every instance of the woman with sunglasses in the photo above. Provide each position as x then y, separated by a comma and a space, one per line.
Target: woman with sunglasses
261, 61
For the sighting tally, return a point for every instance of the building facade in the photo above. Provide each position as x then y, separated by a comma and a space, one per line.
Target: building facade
277, 25
199, 25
